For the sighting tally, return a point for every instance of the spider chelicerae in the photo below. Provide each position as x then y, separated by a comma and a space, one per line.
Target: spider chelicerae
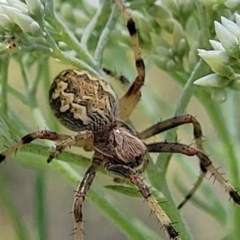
86, 104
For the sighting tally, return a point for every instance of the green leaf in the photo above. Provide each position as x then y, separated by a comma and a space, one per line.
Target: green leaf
128, 191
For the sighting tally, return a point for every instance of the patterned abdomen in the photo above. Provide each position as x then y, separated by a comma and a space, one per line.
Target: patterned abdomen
82, 101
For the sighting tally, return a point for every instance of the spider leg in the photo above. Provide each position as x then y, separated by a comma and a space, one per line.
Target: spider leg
70, 141
197, 133
203, 158
195, 186
173, 123
45, 135
130, 174
42, 134
80, 196
130, 99
117, 76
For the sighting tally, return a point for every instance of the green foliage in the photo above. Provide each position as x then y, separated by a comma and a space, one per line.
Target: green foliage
88, 37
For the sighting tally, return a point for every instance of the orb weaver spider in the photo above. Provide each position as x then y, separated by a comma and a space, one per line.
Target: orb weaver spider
86, 104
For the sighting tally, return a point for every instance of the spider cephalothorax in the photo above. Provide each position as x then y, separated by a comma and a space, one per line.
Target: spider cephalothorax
86, 104
120, 143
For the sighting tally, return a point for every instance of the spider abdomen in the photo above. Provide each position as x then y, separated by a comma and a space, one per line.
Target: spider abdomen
81, 100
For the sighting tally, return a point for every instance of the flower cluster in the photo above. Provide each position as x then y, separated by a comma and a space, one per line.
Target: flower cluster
167, 33
15, 14
224, 58
16, 18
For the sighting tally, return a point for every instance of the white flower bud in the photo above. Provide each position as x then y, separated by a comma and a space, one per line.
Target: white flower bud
231, 3
237, 19
177, 33
218, 61
159, 10
170, 65
6, 22
182, 47
160, 13
25, 22
162, 51
227, 39
192, 55
34, 6
210, 3
160, 61
231, 26
216, 45
35, 29
10, 11
22, 7
213, 80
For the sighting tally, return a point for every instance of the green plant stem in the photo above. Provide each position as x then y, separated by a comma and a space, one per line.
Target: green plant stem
40, 193
57, 53
4, 63
39, 181
68, 37
17, 223
104, 37
17, 95
157, 177
71, 41
23, 72
188, 89
203, 26
185, 98
46, 80
42, 65
35, 48
92, 24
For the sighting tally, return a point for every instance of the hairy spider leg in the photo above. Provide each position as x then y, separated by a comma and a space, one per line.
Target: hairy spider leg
197, 133
80, 196
203, 158
64, 140
129, 100
195, 187
117, 76
130, 174
41, 134
71, 141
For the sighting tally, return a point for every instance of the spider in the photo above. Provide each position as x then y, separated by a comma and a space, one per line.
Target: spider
86, 104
